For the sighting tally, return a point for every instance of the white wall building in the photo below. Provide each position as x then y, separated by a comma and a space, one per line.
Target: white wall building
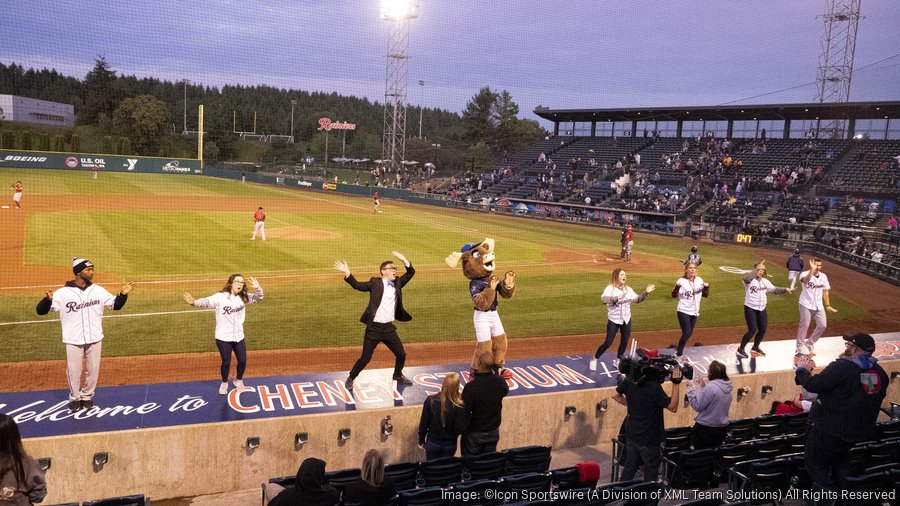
38, 112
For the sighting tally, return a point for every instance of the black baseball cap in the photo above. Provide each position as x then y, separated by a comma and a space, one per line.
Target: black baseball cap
865, 342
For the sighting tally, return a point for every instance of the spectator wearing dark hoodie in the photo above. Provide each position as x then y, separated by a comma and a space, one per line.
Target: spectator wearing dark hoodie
711, 402
851, 390
310, 489
794, 267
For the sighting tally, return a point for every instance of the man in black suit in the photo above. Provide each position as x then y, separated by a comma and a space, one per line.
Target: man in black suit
385, 305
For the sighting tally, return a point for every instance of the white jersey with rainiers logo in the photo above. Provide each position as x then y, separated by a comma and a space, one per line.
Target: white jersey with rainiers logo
811, 294
229, 313
689, 295
618, 303
81, 312
757, 293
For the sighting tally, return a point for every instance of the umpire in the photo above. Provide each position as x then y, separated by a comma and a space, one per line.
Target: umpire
80, 305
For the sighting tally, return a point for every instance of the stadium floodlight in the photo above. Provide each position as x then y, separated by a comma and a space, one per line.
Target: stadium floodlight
399, 9
398, 13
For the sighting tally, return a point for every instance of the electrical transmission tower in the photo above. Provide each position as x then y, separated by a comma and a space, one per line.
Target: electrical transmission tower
836, 52
396, 77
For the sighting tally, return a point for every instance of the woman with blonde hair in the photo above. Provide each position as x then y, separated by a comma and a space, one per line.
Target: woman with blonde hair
688, 290
21, 478
374, 488
618, 298
443, 419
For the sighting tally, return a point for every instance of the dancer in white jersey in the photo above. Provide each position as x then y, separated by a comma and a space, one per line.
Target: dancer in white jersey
618, 298
757, 288
688, 290
814, 302
229, 304
80, 305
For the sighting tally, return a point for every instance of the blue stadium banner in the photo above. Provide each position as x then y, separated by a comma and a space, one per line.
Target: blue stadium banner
10, 159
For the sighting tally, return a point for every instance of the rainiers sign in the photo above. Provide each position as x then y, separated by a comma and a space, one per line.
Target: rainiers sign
87, 161
327, 125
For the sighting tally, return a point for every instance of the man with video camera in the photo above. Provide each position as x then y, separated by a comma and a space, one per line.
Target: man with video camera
641, 392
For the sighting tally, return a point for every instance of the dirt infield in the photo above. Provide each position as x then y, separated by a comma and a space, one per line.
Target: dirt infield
877, 299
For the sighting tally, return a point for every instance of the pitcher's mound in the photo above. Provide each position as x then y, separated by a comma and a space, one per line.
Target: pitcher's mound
301, 234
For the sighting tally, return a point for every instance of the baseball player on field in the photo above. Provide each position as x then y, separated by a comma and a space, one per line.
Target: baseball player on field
259, 217
17, 194
814, 302
375, 202
229, 304
80, 305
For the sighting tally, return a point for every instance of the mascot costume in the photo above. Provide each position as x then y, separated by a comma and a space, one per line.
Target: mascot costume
478, 265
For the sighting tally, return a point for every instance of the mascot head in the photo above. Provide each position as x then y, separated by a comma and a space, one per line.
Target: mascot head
477, 259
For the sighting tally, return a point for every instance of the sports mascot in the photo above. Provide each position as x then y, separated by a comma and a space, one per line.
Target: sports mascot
478, 266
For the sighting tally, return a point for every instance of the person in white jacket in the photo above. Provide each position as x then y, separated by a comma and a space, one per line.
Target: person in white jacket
711, 402
618, 298
229, 304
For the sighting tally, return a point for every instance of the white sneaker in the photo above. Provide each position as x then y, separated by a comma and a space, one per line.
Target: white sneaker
239, 385
223, 388
592, 365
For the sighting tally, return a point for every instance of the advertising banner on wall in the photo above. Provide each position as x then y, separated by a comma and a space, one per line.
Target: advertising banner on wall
85, 161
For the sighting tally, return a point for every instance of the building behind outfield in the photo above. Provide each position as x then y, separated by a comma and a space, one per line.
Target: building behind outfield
37, 112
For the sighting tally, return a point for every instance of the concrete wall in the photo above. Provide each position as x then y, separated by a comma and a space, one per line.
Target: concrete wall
205, 459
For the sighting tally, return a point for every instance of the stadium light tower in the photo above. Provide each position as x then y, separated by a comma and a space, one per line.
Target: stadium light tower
398, 13
837, 50
184, 130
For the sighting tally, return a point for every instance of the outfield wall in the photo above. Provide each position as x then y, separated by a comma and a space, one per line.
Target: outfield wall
88, 161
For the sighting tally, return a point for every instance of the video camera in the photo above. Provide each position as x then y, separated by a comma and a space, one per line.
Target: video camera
639, 367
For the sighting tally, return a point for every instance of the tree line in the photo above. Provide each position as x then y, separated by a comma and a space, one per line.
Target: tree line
144, 116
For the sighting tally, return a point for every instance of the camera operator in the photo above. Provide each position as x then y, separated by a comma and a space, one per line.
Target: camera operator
711, 404
644, 426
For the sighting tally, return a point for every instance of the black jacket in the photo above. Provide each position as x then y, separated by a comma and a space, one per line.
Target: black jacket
360, 492
375, 287
483, 397
851, 390
310, 490
430, 422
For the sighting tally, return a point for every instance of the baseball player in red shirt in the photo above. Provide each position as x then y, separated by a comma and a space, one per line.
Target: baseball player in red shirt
375, 198
17, 193
260, 218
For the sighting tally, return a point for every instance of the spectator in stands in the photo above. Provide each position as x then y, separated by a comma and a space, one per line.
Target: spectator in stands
483, 398
645, 429
711, 404
443, 419
892, 224
800, 404
877, 256
310, 488
851, 390
21, 478
374, 487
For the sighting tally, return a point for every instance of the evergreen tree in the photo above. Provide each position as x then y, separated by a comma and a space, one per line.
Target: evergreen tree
101, 95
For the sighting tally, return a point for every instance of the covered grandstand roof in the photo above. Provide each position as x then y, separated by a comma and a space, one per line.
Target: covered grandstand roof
847, 110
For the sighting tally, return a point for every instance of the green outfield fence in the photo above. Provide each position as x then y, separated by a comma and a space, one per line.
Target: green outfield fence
88, 161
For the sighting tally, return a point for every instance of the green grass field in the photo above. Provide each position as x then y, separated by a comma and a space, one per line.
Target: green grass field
169, 251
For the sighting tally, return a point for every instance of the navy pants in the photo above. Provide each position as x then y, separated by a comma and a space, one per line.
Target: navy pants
240, 351
686, 322
757, 322
611, 329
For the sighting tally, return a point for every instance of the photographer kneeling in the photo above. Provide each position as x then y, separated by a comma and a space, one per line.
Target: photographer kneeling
644, 426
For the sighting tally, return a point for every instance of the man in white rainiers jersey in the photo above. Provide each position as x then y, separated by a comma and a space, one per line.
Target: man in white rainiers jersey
230, 303
80, 305
814, 302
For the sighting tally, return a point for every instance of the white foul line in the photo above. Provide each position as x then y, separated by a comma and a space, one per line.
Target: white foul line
117, 316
